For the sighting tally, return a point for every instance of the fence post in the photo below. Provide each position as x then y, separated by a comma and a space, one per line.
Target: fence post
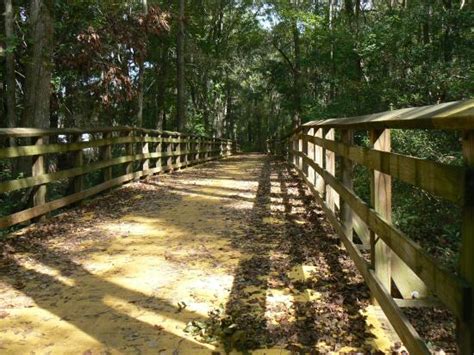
381, 201
106, 154
129, 152
310, 148
169, 153
465, 331
159, 151
78, 181
304, 149
37, 168
145, 151
177, 151
347, 170
319, 159
330, 167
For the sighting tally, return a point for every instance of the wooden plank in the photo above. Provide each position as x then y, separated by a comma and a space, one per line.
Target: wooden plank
18, 184
145, 151
319, 159
439, 179
311, 154
457, 115
78, 163
39, 193
381, 201
402, 326
304, 149
330, 167
418, 303
347, 170
404, 278
452, 290
465, 326
40, 210
106, 154
169, 150
129, 149
159, 150
31, 150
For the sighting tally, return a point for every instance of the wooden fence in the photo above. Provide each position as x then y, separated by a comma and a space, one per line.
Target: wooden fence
394, 257
140, 152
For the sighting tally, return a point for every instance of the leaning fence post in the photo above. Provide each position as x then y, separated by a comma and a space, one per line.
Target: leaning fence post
39, 193
465, 331
381, 201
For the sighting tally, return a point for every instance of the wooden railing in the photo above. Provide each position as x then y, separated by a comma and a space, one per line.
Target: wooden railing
140, 152
394, 257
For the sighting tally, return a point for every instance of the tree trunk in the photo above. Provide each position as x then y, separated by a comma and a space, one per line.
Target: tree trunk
180, 104
141, 75
297, 76
10, 70
162, 78
38, 71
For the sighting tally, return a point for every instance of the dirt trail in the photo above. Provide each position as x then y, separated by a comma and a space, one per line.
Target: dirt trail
229, 255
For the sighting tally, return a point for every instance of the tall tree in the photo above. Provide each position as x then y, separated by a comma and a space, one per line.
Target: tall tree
181, 98
10, 68
141, 73
38, 72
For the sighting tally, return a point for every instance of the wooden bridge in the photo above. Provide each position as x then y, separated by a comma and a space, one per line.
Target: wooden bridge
231, 254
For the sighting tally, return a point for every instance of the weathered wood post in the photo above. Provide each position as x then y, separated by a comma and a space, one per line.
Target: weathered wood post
347, 170
196, 149
129, 152
381, 201
159, 151
106, 154
169, 153
465, 332
145, 152
304, 150
39, 193
319, 159
78, 181
177, 151
299, 148
310, 149
330, 167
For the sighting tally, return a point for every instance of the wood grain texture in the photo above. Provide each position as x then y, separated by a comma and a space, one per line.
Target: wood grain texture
452, 290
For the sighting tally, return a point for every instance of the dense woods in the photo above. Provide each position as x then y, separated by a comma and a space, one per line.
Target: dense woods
246, 69
240, 73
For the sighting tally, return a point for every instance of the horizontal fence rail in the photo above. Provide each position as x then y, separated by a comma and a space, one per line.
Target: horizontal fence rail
133, 152
314, 149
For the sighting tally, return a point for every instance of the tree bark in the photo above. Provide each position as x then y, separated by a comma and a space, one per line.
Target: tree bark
180, 104
162, 78
141, 75
297, 76
38, 71
10, 69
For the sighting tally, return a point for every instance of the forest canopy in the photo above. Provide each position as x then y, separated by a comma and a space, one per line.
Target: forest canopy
242, 69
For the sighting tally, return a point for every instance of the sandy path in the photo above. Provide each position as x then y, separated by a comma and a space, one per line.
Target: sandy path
139, 270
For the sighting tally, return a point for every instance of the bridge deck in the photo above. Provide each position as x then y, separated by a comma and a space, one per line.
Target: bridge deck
140, 269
